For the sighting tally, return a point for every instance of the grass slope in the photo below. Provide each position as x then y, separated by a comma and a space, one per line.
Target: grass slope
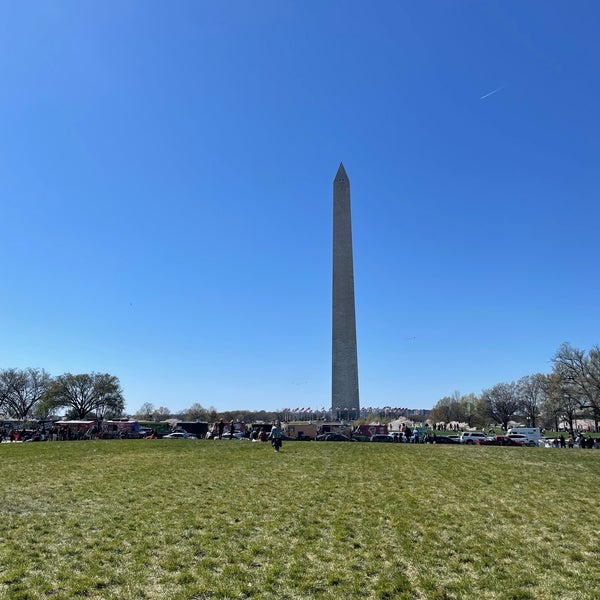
182, 519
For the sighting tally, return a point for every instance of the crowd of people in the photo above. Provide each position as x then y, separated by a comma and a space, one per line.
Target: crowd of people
577, 441
48, 431
53, 433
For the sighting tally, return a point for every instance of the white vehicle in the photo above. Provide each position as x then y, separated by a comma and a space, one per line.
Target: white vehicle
530, 436
471, 437
236, 435
180, 435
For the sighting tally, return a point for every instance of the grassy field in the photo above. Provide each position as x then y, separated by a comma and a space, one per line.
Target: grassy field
183, 519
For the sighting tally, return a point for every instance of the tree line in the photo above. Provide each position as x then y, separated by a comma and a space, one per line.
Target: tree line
27, 394
197, 412
35, 394
571, 391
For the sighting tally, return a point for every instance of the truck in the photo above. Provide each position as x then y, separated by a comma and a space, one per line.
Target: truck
302, 431
532, 434
197, 428
120, 429
239, 429
156, 428
364, 433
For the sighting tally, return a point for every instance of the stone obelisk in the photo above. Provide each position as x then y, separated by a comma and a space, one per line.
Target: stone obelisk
344, 373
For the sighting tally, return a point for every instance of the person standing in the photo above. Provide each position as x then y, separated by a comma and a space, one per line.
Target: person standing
275, 436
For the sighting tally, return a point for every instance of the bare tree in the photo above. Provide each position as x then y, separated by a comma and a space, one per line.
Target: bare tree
146, 412
580, 374
471, 410
458, 408
22, 389
551, 406
531, 389
594, 376
502, 402
3, 396
562, 396
196, 412
87, 393
162, 413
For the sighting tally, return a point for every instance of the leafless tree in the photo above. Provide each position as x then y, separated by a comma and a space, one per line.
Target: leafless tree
563, 399
162, 413
196, 412
146, 412
3, 397
472, 410
580, 375
502, 402
22, 389
532, 391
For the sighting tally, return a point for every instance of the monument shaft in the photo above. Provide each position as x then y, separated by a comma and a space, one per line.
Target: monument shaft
344, 380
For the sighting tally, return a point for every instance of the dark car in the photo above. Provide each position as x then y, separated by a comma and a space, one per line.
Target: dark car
500, 440
444, 439
333, 437
382, 437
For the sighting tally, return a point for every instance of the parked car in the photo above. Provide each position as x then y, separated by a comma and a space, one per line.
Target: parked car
500, 440
445, 439
381, 437
179, 435
400, 437
333, 437
471, 437
524, 440
236, 435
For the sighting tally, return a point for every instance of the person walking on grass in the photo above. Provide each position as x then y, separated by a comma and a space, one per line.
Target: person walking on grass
275, 436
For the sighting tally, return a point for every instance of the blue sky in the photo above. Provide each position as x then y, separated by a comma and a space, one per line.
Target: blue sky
166, 176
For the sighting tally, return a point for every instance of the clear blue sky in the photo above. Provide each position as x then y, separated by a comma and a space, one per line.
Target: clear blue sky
166, 179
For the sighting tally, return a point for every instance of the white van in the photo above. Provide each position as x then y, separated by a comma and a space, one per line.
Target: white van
532, 435
471, 437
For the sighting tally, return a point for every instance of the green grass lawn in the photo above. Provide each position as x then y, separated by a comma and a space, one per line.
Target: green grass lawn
183, 519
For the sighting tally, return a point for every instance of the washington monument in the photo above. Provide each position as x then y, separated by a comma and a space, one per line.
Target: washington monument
344, 372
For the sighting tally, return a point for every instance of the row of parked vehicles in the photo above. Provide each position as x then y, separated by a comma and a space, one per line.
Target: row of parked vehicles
517, 436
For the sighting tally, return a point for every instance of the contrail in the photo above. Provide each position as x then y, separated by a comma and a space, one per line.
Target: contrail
492, 92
